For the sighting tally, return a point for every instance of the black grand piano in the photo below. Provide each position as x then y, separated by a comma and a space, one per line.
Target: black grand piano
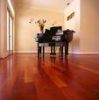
54, 37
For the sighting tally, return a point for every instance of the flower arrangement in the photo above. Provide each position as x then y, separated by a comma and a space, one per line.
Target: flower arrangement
41, 23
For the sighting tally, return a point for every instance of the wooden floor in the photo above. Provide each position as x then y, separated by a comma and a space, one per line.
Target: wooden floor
27, 77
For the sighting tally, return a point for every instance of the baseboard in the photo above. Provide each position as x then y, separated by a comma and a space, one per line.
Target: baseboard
57, 52
25, 52
84, 52
29, 52
4, 56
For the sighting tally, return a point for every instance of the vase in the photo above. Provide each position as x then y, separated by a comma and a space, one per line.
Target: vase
42, 29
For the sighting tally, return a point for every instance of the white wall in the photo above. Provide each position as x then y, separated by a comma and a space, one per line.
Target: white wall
73, 24
89, 26
86, 24
0, 29
26, 32
3, 28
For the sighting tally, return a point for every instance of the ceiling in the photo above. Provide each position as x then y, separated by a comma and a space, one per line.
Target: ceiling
58, 5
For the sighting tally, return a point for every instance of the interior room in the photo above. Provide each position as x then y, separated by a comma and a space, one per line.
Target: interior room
49, 50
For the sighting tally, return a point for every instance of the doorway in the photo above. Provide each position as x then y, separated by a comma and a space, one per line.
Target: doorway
9, 32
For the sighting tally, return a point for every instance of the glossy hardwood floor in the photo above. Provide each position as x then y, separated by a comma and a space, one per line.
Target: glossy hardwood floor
27, 77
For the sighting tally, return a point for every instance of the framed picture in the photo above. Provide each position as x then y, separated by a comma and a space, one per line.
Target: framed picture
71, 16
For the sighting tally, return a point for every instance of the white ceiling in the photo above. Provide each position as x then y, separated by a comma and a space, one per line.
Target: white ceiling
52, 4
58, 5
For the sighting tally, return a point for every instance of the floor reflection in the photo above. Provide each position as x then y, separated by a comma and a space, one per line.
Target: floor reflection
53, 59
62, 63
10, 68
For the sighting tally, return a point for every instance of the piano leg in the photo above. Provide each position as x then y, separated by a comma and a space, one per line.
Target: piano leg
43, 50
61, 50
39, 50
53, 52
66, 48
